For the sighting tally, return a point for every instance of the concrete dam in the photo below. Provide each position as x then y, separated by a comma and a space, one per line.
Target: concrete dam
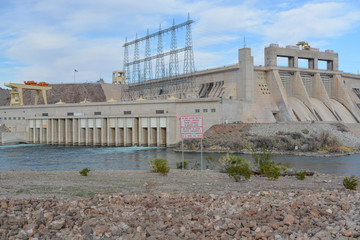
146, 113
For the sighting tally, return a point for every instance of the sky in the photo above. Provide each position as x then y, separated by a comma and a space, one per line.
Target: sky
45, 40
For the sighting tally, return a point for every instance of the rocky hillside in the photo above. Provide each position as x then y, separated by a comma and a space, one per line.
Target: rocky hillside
68, 93
4, 97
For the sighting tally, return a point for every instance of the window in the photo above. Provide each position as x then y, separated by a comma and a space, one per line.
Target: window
204, 110
357, 92
70, 114
213, 110
197, 110
19, 118
9, 118
159, 111
23, 118
97, 113
45, 114
127, 112
4, 118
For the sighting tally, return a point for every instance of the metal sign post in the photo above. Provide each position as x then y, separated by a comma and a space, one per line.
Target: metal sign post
201, 157
182, 153
191, 127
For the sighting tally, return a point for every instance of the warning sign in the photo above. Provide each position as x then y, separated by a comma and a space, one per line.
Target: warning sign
191, 127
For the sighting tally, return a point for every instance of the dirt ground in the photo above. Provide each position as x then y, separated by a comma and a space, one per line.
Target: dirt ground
70, 184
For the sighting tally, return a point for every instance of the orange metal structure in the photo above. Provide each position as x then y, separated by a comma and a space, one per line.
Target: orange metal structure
44, 84
33, 83
30, 83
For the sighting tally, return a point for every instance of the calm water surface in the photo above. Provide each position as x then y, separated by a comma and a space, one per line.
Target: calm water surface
60, 158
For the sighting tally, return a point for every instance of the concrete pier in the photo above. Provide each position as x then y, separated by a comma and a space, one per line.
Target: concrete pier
132, 131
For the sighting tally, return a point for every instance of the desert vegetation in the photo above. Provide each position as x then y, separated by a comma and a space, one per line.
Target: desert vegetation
160, 165
238, 138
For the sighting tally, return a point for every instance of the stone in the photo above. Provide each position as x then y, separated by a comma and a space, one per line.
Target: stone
58, 224
100, 229
87, 229
321, 234
347, 233
4, 205
329, 211
289, 219
315, 212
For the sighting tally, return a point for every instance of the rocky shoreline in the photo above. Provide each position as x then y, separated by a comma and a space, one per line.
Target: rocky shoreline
183, 205
303, 139
295, 153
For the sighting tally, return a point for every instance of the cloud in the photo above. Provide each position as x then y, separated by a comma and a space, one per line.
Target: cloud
45, 40
310, 21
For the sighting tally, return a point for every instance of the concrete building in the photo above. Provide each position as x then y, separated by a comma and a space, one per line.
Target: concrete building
148, 113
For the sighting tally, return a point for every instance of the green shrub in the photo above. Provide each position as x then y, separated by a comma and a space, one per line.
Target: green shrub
266, 166
301, 175
227, 160
85, 172
262, 158
179, 164
160, 165
270, 170
350, 183
240, 168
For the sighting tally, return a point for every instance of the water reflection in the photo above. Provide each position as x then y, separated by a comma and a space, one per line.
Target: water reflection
57, 158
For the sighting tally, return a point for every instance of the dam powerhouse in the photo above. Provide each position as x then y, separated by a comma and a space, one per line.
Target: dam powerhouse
143, 108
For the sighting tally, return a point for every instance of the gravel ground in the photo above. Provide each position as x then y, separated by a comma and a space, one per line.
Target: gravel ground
70, 184
182, 205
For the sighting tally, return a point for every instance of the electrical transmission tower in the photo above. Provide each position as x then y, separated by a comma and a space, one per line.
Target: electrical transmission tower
174, 62
189, 65
161, 72
126, 67
136, 75
147, 63
160, 64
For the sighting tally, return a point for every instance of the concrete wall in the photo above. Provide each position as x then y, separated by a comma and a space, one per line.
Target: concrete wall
147, 123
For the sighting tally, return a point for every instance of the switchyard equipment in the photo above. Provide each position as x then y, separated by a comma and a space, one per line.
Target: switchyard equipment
166, 72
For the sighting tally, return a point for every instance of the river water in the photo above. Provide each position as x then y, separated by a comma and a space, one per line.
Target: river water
64, 158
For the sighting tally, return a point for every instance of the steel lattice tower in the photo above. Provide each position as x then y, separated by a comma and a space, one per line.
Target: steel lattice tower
189, 66
126, 60
162, 69
136, 75
147, 63
160, 64
174, 62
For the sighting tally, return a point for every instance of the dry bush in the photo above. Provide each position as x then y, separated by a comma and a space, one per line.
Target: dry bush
263, 142
341, 127
323, 140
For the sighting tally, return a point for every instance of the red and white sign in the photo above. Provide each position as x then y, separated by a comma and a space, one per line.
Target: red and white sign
191, 127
